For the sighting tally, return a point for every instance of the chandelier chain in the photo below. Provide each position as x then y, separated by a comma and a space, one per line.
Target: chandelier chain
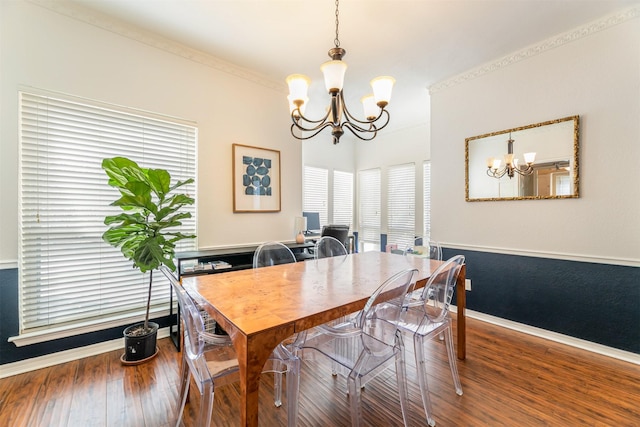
337, 40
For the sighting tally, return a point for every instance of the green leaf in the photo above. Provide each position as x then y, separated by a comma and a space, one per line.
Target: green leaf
114, 169
181, 183
180, 200
181, 236
150, 254
159, 181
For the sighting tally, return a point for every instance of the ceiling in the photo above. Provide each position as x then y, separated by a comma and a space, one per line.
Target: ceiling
419, 42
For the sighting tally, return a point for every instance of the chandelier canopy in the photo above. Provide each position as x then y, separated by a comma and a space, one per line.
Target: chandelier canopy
511, 166
338, 117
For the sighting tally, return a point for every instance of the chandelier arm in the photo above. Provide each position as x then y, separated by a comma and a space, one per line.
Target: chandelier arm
373, 132
352, 118
354, 127
306, 119
317, 130
372, 124
496, 173
527, 171
499, 173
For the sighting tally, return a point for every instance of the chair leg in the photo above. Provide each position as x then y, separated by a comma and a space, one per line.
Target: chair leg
184, 390
277, 388
418, 343
451, 353
401, 377
354, 400
206, 405
293, 385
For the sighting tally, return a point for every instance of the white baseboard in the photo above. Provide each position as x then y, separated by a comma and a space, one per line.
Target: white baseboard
52, 359
615, 353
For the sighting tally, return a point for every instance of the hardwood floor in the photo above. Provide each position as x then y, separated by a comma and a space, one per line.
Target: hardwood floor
508, 378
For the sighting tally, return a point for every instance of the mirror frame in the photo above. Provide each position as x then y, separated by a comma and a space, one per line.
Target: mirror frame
576, 137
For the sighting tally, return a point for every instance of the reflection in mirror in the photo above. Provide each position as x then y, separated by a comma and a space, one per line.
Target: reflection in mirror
538, 161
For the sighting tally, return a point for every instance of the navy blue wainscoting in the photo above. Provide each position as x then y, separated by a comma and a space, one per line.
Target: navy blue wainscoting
9, 326
594, 302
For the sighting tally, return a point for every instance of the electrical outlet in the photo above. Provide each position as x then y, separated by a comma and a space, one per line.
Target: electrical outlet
467, 284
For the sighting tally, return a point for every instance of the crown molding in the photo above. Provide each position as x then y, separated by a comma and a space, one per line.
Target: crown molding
594, 259
132, 32
578, 33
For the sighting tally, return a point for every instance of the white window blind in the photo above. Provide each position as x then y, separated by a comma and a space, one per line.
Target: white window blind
426, 186
343, 198
369, 208
315, 195
401, 205
68, 274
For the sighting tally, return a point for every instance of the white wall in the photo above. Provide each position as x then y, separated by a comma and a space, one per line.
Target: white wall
596, 77
51, 51
320, 152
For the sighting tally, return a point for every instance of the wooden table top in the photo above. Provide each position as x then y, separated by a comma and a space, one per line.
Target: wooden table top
304, 294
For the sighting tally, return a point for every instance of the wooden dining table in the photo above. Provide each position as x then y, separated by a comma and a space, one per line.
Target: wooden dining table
259, 308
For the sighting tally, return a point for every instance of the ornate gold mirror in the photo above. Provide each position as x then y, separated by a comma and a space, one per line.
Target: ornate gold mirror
538, 161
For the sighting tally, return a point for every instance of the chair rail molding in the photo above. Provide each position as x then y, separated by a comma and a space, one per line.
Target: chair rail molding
8, 264
629, 262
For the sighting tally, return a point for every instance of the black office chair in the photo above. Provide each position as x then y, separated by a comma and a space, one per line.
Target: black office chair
340, 232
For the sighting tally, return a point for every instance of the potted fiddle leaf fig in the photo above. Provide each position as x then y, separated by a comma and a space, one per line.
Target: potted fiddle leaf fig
146, 233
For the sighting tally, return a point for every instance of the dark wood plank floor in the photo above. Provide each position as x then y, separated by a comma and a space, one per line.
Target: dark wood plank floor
509, 379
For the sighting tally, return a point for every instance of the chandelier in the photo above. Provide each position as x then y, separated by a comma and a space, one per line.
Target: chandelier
511, 166
338, 117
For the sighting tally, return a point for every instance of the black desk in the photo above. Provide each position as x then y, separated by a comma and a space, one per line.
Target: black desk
193, 263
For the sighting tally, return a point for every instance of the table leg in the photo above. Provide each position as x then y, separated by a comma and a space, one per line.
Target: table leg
461, 301
253, 352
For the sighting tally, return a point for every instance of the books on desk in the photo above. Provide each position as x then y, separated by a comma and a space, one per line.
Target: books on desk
194, 266
220, 265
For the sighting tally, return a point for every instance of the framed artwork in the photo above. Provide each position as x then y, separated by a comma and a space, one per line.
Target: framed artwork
256, 179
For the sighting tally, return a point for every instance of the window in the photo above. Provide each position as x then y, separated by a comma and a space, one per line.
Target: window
369, 207
70, 278
401, 205
316, 195
315, 192
426, 210
343, 198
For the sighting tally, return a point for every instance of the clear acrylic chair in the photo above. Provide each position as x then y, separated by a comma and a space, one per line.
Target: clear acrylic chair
328, 246
268, 254
431, 250
272, 253
212, 361
325, 247
365, 347
428, 318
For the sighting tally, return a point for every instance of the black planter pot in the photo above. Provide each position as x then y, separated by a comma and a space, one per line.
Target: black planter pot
139, 348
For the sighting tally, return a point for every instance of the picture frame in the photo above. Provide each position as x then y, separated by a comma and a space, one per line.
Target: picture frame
256, 179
